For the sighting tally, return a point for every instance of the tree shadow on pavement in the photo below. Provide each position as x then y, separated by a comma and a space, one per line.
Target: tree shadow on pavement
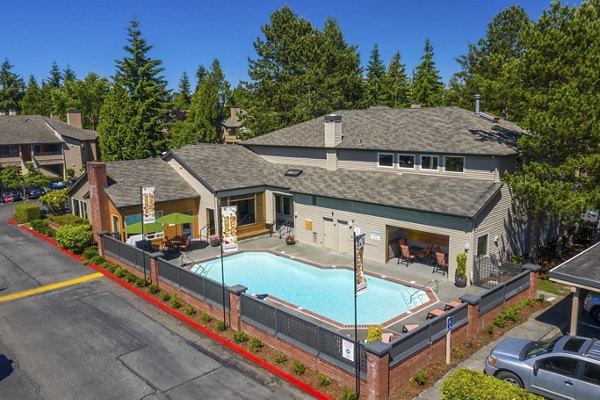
5, 366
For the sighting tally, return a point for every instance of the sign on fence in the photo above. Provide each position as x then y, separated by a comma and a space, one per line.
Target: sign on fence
348, 349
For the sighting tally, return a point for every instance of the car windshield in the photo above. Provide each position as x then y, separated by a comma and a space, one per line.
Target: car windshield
541, 347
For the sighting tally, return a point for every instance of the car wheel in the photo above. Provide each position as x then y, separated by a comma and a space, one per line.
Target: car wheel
509, 377
596, 314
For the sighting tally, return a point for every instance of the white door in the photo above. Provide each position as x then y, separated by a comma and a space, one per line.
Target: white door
329, 233
344, 236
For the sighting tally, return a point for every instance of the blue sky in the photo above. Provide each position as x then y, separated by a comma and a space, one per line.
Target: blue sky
89, 35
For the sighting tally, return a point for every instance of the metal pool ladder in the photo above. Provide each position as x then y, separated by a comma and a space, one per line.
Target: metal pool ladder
416, 292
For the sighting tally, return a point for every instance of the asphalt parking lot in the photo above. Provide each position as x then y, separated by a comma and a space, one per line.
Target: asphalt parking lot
96, 340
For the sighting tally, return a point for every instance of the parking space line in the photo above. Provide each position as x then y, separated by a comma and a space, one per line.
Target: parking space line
53, 286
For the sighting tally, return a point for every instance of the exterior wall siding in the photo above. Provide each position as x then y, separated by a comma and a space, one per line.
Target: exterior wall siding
297, 156
373, 220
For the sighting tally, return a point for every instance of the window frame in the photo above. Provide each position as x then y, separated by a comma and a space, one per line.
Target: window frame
487, 245
584, 376
437, 166
379, 154
456, 172
414, 157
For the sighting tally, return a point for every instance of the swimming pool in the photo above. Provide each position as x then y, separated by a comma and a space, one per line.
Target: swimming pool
327, 292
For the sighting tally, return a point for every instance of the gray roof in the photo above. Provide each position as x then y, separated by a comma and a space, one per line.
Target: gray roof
126, 177
449, 130
34, 129
25, 129
229, 167
224, 167
581, 270
71, 131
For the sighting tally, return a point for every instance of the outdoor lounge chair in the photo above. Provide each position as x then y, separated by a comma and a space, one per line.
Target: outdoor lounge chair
409, 327
452, 304
387, 337
434, 313
406, 254
441, 263
424, 254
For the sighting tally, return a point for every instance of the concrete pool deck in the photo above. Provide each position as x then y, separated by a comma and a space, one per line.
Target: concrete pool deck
416, 273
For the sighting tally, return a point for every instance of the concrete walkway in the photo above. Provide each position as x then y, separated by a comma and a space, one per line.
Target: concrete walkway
546, 323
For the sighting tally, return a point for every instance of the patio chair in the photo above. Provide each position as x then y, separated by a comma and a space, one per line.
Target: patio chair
424, 254
406, 254
186, 245
441, 263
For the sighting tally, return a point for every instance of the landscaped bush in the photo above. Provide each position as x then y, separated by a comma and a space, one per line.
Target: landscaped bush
240, 337
324, 380
39, 225
89, 253
166, 296
374, 333
68, 219
27, 212
256, 345
298, 367
221, 325
420, 377
190, 310
206, 317
56, 201
153, 289
97, 260
348, 394
74, 237
465, 384
281, 358
176, 302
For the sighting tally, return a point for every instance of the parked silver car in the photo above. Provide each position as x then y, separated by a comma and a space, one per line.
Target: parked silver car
592, 305
563, 367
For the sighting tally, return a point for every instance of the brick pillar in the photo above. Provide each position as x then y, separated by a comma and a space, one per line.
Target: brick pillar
98, 203
473, 311
154, 267
235, 309
378, 370
100, 242
534, 273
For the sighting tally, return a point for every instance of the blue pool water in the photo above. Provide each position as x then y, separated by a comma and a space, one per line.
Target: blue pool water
327, 292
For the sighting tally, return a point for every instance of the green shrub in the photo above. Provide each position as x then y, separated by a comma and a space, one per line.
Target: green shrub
348, 394
499, 321
105, 265
420, 377
374, 333
281, 358
176, 302
38, 225
518, 259
256, 345
166, 296
324, 380
89, 253
457, 353
141, 282
461, 265
240, 337
68, 219
74, 237
130, 278
190, 310
119, 272
298, 368
206, 317
98, 260
27, 212
153, 289
489, 329
222, 326
55, 201
465, 384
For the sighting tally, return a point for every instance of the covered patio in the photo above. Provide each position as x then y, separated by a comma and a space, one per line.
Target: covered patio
410, 246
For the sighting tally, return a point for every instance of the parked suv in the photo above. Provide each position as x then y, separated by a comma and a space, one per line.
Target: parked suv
592, 305
563, 367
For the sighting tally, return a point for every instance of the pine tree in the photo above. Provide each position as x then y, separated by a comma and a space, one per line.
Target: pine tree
375, 91
11, 87
33, 99
87, 96
427, 87
69, 74
55, 79
395, 84
200, 74
182, 98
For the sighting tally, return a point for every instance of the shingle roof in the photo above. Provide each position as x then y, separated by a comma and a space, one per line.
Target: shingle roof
581, 270
126, 177
71, 131
25, 129
228, 167
225, 167
449, 130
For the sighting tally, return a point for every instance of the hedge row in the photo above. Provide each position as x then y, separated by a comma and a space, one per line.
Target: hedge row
27, 212
465, 384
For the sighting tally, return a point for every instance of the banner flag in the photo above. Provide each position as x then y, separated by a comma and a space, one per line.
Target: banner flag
148, 210
359, 248
229, 228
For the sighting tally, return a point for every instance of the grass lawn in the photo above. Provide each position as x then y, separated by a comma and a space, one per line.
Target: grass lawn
552, 287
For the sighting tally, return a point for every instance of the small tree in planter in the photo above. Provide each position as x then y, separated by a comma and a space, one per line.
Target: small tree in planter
460, 276
289, 239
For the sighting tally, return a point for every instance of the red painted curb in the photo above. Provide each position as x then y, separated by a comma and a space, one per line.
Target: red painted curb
244, 353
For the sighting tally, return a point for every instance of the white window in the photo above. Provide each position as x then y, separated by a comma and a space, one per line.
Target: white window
482, 245
454, 164
80, 208
406, 161
429, 162
385, 160
115, 223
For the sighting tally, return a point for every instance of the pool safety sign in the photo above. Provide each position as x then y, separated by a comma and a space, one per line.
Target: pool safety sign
348, 349
229, 228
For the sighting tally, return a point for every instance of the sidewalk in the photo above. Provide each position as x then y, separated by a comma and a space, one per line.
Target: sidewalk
546, 323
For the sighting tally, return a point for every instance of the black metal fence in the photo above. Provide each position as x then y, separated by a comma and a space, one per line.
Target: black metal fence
125, 253
499, 294
491, 270
426, 334
314, 339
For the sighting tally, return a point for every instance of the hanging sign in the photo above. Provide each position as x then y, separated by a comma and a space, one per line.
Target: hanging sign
348, 349
148, 210
359, 248
229, 228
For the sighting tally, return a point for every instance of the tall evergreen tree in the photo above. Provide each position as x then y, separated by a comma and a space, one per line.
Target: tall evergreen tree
33, 102
375, 91
86, 95
140, 76
396, 87
182, 98
200, 74
69, 74
12, 87
56, 77
427, 87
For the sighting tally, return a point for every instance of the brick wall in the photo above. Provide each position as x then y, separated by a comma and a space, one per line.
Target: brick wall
98, 203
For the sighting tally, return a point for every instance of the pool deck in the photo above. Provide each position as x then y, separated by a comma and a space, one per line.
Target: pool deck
415, 273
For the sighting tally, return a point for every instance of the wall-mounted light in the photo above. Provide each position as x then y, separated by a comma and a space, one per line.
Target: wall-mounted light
496, 238
467, 246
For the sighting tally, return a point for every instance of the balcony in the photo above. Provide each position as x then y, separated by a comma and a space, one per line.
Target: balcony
47, 157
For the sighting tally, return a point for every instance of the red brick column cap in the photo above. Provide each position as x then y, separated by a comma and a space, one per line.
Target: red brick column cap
532, 267
470, 299
238, 289
377, 348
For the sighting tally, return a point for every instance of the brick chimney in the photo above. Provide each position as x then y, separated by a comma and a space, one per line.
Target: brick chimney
74, 118
98, 210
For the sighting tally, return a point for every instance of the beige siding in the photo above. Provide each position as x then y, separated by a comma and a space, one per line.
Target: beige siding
73, 156
375, 221
478, 167
331, 159
292, 155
